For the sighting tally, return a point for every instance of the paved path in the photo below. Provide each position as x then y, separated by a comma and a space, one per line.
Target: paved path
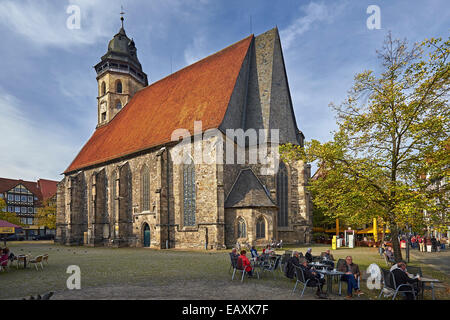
437, 260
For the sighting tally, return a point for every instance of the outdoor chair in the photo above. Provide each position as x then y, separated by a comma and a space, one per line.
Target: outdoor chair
389, 262
36, 261
45, 258
390, 287
273, 265
284, 259
5, 267
20, 259
342, 279
233, 260
240, 268
301, 279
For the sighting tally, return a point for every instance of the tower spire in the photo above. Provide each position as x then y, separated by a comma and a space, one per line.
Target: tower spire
121, 15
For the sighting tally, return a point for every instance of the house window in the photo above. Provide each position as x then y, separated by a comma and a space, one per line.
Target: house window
145, 187
103, 116
23, 220
30, 221
260, 228
30, 199
23, 210
242, 230
30, 210
23, 198
282, 195
16, 198
17, 209
35, 210
10, 197
10, 209
189, 194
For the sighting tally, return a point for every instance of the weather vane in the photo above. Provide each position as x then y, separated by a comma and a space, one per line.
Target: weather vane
121, 14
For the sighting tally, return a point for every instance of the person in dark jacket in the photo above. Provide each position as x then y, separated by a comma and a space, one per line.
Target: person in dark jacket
351, 276
314, 277
253, 252
308, 255
433, 244
290, 265
401, 277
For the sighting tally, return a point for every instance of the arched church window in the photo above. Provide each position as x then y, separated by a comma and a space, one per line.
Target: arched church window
119, 86
260, 228
189, 194
241, 228
118, 105
145, 188
282, 195
103, 88
114, 193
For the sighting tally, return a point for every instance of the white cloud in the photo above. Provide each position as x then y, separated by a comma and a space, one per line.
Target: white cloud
30, 150
44, 23
313, 13
196, 50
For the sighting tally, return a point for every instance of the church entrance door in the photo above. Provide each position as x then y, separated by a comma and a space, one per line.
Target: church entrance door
146, 236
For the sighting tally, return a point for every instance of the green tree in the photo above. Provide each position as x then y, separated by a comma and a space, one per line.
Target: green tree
392, 141
8, 216
46, 215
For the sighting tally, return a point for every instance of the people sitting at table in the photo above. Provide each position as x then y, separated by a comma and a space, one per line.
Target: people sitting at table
327, 258
351, 275
401, 277
291, 263
314, 277
253, 252
308, 255
244, 263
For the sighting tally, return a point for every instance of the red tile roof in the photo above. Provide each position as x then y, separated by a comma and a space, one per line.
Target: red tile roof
47, 187
43, 189
200, 91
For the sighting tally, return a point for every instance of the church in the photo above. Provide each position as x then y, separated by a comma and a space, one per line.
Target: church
124, 187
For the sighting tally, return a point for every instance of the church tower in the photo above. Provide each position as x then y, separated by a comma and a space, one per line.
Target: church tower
119, 76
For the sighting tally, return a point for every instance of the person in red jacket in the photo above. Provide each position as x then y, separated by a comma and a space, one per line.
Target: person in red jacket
245, 263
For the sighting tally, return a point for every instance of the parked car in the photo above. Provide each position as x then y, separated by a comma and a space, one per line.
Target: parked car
15, 237
44, 237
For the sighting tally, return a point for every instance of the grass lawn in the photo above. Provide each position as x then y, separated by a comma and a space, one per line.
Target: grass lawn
127, 267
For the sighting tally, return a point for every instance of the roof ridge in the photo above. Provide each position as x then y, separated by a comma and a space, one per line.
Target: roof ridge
195, 63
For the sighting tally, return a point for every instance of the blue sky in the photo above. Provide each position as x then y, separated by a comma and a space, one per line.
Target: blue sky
48, 90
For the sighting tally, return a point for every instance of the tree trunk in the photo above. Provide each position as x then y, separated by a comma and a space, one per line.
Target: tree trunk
395, 243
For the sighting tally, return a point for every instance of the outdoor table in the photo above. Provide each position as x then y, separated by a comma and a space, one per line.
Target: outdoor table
24, 256
330, 274
432, 282
318, 265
